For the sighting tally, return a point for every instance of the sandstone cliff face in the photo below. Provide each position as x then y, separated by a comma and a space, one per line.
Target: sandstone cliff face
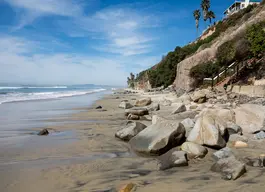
142, 85
183, 79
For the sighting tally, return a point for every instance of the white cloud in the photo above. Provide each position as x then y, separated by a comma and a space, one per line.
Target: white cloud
120, 27
117, 30
19, 65
30, 10
62, 7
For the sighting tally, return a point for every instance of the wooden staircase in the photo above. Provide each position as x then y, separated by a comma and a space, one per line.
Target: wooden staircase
230, 73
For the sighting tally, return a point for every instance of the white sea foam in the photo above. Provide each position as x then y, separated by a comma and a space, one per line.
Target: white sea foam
11, 87
18, 97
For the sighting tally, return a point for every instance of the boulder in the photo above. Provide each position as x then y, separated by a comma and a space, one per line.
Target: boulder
98, 107
172, 158
143, 102
233, 128
182, 116
206, 132
188, 124
133, 117
211, 128
222, 153
199, 96
256, 162
179, 108
250, 117
43, 132
194, 150
159, 137
154, 107
260, 135
125, 105
230, 168
137, 111
130, 130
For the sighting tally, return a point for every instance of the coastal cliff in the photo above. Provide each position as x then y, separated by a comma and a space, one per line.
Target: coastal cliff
203, 50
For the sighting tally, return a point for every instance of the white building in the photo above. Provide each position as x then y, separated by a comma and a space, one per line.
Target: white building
238, 5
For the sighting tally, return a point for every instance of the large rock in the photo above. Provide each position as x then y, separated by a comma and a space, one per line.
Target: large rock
159, 137
260, 135
199, 96
43, 132
139, 111
230, 168
179, 108
194, 150
222, 153
172, 158
133, 117
233, 128
206, 132
188, 124
143, 102
154, 107
211, 128
131, 129
125, 105
250, 117
184, 115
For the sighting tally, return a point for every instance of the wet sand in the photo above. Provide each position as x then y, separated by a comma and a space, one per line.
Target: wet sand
89, 158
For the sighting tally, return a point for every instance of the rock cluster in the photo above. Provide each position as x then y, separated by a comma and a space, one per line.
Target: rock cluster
196, 124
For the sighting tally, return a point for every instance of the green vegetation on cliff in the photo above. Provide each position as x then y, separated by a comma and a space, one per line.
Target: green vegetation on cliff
246, 45
251, 44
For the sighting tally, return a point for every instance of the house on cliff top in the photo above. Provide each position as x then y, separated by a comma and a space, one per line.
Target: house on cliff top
238, 5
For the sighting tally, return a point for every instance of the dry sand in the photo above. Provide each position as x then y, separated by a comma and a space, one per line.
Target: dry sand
94, 161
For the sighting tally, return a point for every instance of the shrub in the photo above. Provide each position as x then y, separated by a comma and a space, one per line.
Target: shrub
204, 70
226, 53
242, 49
256, 38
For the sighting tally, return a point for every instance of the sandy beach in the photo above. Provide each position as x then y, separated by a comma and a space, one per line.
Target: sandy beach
94, 160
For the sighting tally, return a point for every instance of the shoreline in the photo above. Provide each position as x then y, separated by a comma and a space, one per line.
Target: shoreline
96, 161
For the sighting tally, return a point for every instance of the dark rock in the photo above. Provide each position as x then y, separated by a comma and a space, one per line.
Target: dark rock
137, 111
255, 162
173, 158
154, 107
222, 153
230, 168
260, 135
43, 132
133, 117
99, 107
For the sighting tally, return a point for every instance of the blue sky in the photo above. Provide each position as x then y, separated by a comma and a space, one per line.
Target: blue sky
91, 41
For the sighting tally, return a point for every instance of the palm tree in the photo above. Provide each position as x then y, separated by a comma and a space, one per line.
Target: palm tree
197, 16
205, 5
211, 16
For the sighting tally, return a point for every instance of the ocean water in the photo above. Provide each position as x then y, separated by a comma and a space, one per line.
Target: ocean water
25, 109
29, 93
